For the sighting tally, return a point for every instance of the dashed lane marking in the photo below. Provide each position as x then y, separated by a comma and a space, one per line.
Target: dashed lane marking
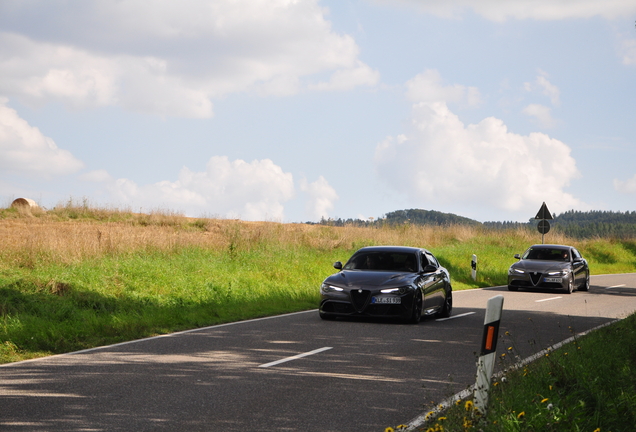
287, 359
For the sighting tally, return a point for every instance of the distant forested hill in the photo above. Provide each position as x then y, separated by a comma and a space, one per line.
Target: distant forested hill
596, 223
426, 217
575, 224
412, 216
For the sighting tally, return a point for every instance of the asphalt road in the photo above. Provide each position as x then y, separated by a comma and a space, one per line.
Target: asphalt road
292, 372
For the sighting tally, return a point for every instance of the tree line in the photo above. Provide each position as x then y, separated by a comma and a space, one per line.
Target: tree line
576, 224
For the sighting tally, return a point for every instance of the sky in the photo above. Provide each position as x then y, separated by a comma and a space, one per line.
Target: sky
299, 110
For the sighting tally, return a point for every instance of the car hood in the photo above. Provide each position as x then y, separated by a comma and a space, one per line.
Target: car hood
357, 278
540, 266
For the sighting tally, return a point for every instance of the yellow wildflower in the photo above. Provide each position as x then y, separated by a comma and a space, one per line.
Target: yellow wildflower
544, 400
389, 429
469, 405
521, 415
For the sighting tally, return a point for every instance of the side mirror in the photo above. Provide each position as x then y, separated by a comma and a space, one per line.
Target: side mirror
577, 259
429, 268
517, 256
337, 265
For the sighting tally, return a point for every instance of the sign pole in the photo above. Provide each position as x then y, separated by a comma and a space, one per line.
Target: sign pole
486, 361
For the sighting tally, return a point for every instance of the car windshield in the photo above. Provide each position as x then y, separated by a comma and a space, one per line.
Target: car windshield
547, 254
383, 261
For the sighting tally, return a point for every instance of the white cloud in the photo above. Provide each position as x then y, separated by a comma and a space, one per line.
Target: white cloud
428, 87
502, 10
322, 197
628, 51
545, 87
234, 189
25, 150
96, 176
346, 79
439, 162
628, 186
171, 58
542, 114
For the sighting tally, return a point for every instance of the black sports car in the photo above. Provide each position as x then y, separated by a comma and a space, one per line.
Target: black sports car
388, 282
550, 266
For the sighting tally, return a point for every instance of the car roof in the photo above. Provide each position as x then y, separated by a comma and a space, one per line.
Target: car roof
551, 246
392, 249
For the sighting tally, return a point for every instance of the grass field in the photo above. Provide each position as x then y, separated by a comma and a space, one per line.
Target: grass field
76, 277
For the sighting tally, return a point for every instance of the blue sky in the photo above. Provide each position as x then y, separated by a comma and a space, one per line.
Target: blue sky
291, 111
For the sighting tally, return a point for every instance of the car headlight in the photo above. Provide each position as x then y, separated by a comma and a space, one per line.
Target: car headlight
326, 288
558, 273
396, 290
512, 270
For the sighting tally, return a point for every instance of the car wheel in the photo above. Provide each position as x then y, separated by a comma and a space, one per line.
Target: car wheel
327, 317
570, 288
586, 285
513, 288
416, 313
445, 312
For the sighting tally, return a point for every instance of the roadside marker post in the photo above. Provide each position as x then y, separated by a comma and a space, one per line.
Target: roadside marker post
473, 266
486, 362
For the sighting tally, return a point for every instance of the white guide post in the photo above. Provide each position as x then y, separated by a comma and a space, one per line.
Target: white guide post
473, 265
486, 362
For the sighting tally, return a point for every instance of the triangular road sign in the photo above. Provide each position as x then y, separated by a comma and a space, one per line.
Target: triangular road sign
544, 213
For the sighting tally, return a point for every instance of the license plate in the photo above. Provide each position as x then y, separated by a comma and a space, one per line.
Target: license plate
386, 300
557, 280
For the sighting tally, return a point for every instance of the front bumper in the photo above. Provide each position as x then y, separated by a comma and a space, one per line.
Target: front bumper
356, 303
539, 280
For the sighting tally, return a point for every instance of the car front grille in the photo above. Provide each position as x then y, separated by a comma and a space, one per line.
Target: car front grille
360, 298
535, 277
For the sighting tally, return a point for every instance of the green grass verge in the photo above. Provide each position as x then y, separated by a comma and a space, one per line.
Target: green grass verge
586, 385
54, 309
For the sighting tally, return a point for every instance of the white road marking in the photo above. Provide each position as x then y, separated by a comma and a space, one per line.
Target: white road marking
548, 299
455, 316
274, 363
616, 286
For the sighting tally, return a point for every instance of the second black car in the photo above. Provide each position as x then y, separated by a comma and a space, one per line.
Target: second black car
548, 266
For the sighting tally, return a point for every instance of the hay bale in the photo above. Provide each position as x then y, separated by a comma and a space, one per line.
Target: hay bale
25, 202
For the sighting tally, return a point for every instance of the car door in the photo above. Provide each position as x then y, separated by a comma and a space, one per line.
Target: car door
579, 266
434, 294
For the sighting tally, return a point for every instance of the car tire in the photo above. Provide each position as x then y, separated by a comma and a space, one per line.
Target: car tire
447, 308
586, 284
513, 288
416, 313
570, 287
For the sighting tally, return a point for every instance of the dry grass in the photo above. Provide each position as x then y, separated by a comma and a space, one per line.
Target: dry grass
27, 238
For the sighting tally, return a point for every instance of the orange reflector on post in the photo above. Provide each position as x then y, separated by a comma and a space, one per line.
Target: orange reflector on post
489, 337
489, 341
